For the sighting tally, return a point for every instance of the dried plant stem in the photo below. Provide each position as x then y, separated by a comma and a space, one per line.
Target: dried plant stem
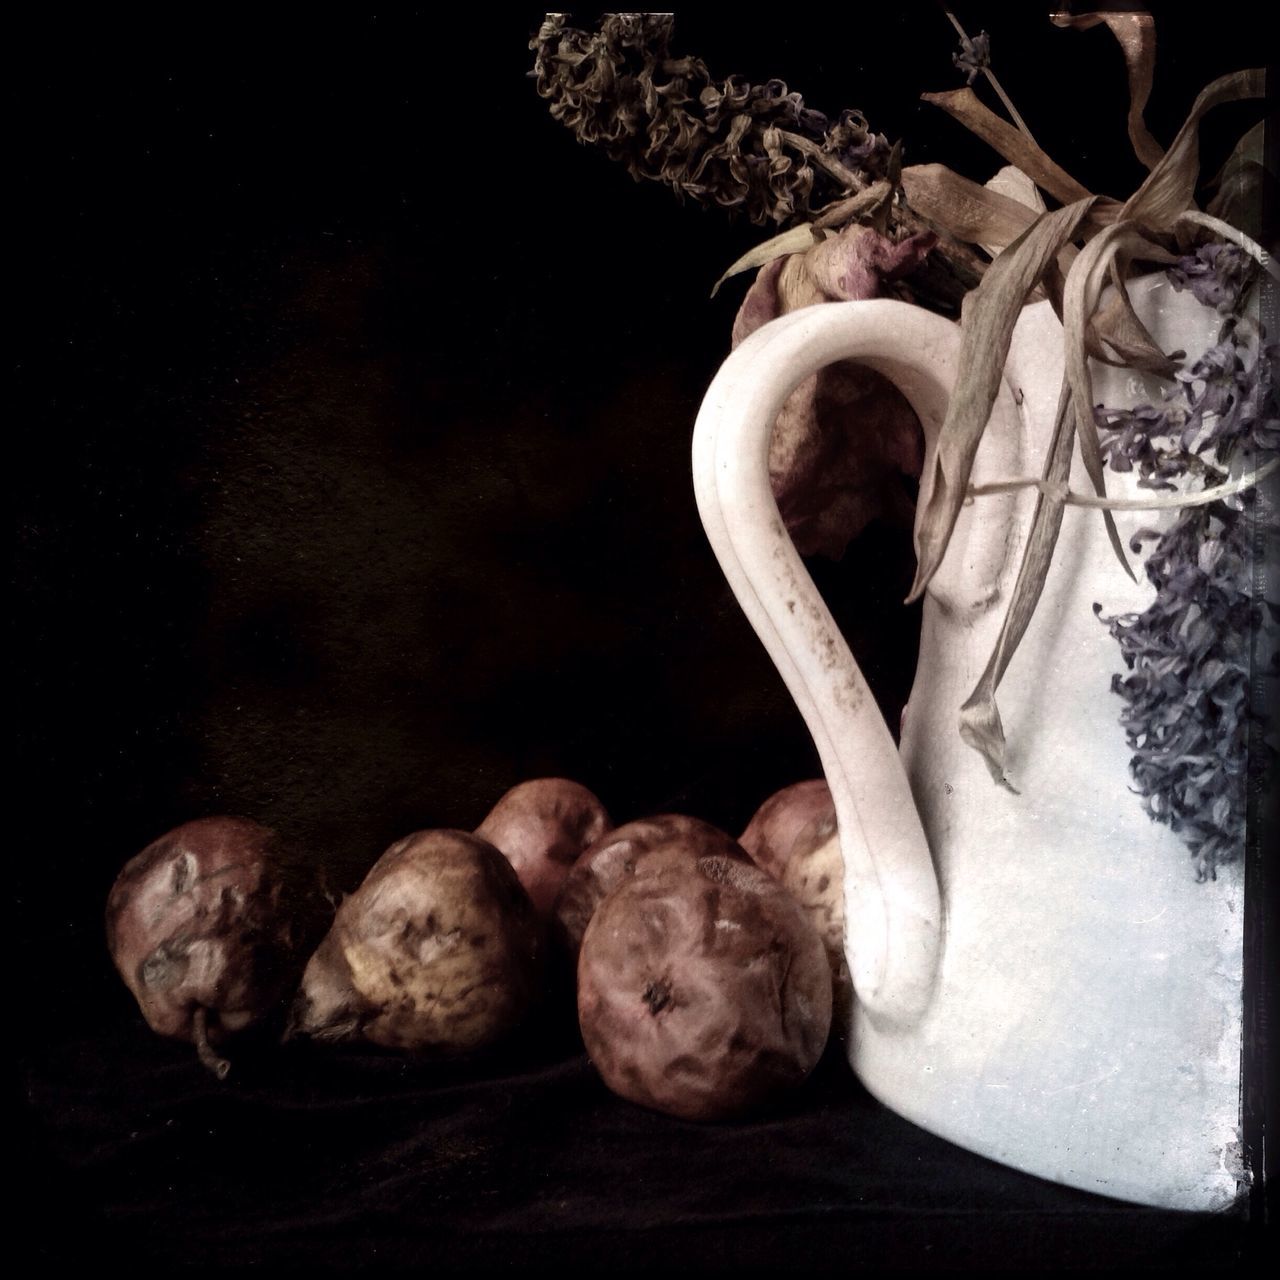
204, 1050
995, 84
1060, 493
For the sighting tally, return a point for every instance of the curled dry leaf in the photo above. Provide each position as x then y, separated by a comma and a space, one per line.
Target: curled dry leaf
1012, 182
1092, 271
1116, 335
987, 320
1169, 187
797, 240
844, 434
1136, 35
1243, 184
980, 724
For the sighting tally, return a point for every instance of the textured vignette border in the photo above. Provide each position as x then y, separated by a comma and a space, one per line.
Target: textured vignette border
1262, 830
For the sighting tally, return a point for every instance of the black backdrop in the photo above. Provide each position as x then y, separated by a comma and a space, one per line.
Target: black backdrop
351, 462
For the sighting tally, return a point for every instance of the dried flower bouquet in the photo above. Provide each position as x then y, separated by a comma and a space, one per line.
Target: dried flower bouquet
858, 224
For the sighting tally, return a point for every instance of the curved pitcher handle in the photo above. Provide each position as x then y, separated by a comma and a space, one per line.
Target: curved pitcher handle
893, 907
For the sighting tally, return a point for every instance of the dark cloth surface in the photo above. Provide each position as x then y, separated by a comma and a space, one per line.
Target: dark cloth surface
334, 1159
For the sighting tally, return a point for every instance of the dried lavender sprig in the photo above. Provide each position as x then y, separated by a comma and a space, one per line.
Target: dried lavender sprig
978, 50
974, 56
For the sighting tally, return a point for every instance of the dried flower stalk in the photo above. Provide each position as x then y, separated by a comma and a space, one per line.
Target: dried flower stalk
754, 149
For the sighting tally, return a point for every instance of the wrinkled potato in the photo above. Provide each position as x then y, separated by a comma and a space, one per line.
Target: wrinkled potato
438, 950
703, 990
210, 927
773, 828
814, 876
635, 848
542, 826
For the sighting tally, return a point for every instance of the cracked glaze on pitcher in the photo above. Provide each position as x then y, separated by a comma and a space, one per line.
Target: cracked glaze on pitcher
1038, 976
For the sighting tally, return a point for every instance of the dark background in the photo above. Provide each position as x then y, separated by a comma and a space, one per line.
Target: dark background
351, 451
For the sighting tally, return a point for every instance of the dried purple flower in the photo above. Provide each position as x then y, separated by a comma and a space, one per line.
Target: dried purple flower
974, 56
1218, 274
1134, 439
1187, 715
1231, 394
751, 148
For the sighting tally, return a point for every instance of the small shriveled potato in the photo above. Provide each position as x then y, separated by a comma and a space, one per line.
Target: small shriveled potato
814, 876
438, 950
635, 848
542, 827
703, 990
773, 829
210, 926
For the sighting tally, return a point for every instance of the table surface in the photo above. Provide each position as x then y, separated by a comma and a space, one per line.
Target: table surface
337, 1159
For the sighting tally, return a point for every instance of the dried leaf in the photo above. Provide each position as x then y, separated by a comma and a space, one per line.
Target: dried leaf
1115, 335
1084, 287
980, 723
1250, 150
984, 215
965, 106
1240, 184
1170, 186
797, 240
1119, 326
1012, 182
1136, 34
987, 320
963, 208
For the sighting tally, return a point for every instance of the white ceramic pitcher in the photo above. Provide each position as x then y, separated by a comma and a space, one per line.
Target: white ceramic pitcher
1038, 976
